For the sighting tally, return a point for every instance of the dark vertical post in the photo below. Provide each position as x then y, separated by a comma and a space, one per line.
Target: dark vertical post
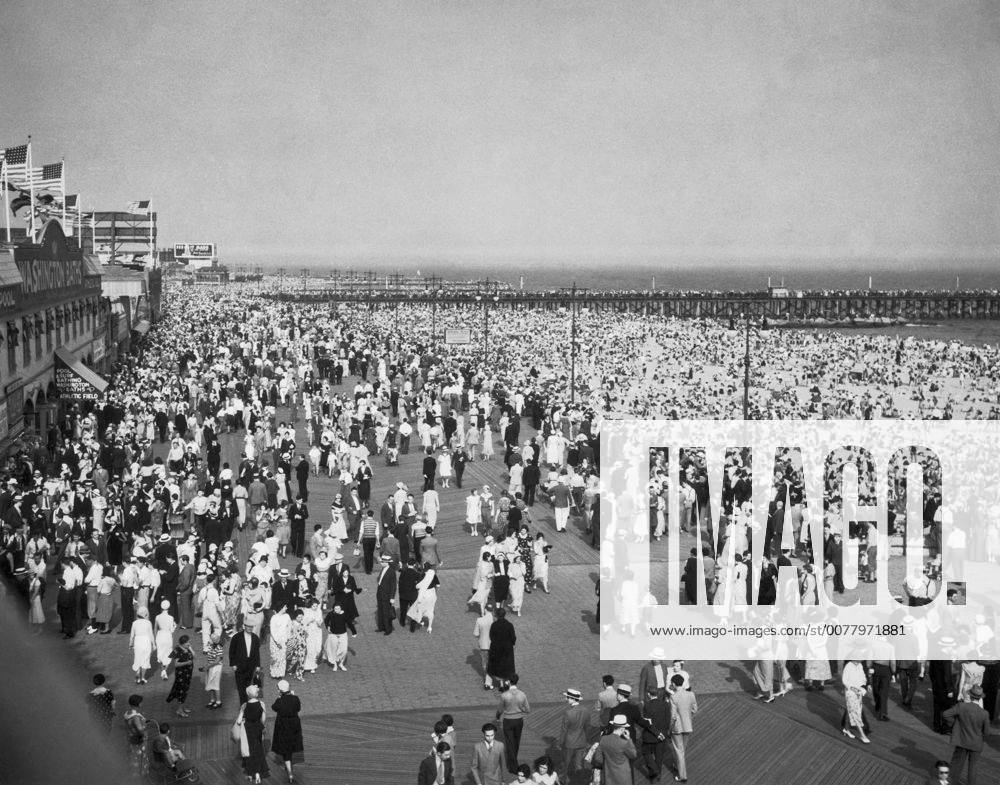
746, 369
572, 351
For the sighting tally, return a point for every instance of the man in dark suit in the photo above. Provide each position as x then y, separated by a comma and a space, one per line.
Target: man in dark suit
169, 578
185, 593
573, 735
408, 580
437, 767
970, 725
942, 676
430, 469
531, 477
244, 657
285, 593
654, 745
298, 514
385, 596
302, 474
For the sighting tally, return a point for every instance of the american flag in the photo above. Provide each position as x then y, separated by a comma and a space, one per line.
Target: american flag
48, 177
139, 207
72, 202
15, 162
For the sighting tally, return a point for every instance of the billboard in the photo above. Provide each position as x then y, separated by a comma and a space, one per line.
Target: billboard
457, 336
194, 250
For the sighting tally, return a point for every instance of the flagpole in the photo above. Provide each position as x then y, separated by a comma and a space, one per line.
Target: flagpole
152, 227
6, 198
63, 170
31, 192
79, 220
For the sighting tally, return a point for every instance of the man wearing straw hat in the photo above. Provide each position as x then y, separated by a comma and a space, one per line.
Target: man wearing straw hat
615, 753
572, 739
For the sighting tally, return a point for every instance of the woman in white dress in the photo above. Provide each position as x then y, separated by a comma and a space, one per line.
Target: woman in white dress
338, 523
423, 608
240, 496
541, 550
444, 468
482, 582
516, 575
473, 512
487, 441
141, 643
165, 627
312, 619
281, 624
628, 604
249, 447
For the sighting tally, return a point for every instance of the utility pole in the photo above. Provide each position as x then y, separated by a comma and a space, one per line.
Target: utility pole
434, 313
746, 368
574, 294
305, 278
484, 297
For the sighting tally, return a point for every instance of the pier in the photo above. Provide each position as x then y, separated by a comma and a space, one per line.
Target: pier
794, 307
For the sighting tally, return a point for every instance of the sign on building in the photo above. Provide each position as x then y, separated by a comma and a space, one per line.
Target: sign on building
456, 336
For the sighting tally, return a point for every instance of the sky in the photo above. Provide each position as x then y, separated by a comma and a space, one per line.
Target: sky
680, 130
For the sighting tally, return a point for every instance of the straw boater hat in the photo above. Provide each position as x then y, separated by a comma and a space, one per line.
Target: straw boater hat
619, 721
284, 686
573, 694
624, 689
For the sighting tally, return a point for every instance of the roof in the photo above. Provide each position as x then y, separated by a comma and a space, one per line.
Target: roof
119, 281
9, 274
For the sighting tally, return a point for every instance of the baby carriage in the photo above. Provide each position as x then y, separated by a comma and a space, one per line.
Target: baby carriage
164, 768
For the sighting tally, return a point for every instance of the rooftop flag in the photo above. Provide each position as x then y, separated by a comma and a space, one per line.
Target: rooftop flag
50, 178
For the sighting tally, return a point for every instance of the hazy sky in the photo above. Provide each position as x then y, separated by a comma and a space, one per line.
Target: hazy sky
681, 129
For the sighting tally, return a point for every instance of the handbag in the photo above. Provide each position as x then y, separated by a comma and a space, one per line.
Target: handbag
236, 731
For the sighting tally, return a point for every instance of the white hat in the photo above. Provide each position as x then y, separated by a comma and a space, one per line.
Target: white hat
658, 654
625, 689
619, 721
284, 686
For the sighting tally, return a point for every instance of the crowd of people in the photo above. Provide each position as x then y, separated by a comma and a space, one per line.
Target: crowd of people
141, 521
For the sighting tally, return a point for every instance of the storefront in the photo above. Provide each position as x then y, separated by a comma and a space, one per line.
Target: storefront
49, 301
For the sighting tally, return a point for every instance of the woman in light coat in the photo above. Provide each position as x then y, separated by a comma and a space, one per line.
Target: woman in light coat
141, 643
164, 627
281, 624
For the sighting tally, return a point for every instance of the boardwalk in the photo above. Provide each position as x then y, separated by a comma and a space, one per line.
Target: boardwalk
372, 724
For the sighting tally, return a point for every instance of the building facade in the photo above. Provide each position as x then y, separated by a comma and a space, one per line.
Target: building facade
51, 316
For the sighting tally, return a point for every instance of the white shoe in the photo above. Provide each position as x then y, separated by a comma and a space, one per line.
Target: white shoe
342, 666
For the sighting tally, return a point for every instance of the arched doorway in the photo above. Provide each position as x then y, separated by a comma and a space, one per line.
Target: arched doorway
30, 416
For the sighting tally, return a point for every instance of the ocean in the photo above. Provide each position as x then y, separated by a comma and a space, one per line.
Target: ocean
753, 276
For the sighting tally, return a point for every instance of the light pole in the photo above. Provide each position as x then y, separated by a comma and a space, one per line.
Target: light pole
484, 298
434, 310
746, 367
574, 295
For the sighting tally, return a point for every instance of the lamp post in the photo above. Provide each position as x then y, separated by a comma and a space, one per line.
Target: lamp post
484, 298
746, 366
574, 294
434, 310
